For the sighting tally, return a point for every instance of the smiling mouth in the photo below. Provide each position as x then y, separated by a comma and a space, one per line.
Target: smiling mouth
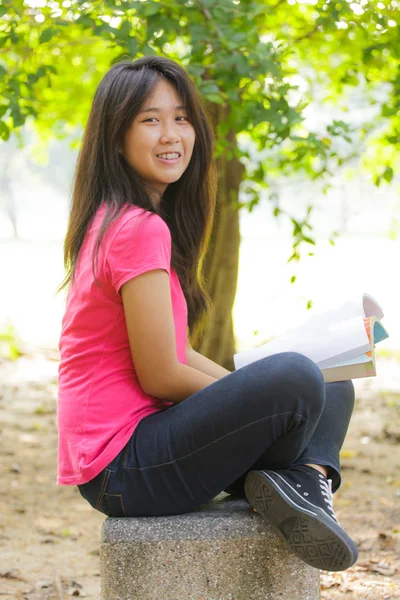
169, 156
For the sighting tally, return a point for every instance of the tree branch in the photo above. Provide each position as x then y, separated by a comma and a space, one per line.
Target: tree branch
209, 16
307, 35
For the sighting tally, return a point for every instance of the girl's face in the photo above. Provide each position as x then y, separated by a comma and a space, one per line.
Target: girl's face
159, 143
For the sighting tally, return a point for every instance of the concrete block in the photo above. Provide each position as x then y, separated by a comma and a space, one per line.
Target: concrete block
224, 551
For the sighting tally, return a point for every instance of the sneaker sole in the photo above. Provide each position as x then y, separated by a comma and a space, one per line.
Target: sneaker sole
310, 538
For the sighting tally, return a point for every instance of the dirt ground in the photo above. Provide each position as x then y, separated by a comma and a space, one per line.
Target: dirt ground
49, 536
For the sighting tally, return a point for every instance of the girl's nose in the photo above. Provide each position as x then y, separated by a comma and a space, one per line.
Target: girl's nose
169, 134
171, 139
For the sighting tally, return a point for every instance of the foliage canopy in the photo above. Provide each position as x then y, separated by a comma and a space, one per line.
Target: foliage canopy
243, 54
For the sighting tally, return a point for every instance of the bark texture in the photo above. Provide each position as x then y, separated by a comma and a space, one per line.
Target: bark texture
221, 264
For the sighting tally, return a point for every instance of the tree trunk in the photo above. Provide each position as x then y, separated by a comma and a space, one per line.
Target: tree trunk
221, 264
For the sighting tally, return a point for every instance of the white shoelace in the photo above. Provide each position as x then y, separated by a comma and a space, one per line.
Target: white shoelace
326, 491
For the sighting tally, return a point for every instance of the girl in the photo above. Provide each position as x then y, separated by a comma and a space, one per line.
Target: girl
147, 425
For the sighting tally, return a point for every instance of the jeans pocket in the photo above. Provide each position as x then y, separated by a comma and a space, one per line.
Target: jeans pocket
94, 491
114, 505
107, 503
101, 503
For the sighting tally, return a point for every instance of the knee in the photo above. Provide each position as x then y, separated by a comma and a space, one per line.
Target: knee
299, 368
298, 375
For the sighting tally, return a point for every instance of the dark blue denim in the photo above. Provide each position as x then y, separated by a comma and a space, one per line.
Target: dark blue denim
273, 413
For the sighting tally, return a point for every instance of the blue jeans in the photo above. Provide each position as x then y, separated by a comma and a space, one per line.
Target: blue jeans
271, 414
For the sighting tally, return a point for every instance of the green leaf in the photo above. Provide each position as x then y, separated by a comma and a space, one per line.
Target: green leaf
195, 69
149, 8
215, 98
132, 46
47, 34
308, 240
4, 131
148, 50
41, 72
18, 117
85, 21
388, 174
124, 30
293, 279
295, 256
209, 89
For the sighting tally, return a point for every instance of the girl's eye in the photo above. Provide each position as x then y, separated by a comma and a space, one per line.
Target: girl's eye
151, 118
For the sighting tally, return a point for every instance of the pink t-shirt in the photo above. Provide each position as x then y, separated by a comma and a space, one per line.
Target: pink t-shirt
100, 400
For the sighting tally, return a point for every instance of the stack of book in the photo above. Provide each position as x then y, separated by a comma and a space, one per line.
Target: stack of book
340, 341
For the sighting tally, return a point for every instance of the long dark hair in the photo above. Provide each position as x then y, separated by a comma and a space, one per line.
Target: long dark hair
103, 176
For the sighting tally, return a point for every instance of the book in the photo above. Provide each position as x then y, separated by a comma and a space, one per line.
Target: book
341, 341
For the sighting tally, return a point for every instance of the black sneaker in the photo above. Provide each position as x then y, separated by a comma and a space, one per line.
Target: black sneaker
298, 504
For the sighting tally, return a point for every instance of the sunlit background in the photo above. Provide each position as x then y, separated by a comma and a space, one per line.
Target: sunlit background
49, 536
34, 201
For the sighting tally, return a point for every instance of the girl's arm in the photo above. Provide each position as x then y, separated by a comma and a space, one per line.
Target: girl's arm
205, 365
150, 325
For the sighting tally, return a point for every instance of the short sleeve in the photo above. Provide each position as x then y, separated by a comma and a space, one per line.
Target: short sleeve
139, 245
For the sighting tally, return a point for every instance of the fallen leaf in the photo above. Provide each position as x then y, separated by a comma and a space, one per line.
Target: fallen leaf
342, 502
348, 453
13, 574
386, 502
388, 572
328, 585
385, 540
43, 584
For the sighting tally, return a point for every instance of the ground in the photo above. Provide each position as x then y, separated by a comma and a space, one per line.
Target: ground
49, 536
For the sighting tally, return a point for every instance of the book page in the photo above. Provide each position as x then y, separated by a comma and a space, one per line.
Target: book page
355, 360
371, 307
345, 339
366, 306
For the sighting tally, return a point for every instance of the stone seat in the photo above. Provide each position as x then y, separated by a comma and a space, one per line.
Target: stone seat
224, 551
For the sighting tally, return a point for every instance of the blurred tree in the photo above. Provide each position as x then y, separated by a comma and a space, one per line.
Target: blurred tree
7, 200
244, 56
